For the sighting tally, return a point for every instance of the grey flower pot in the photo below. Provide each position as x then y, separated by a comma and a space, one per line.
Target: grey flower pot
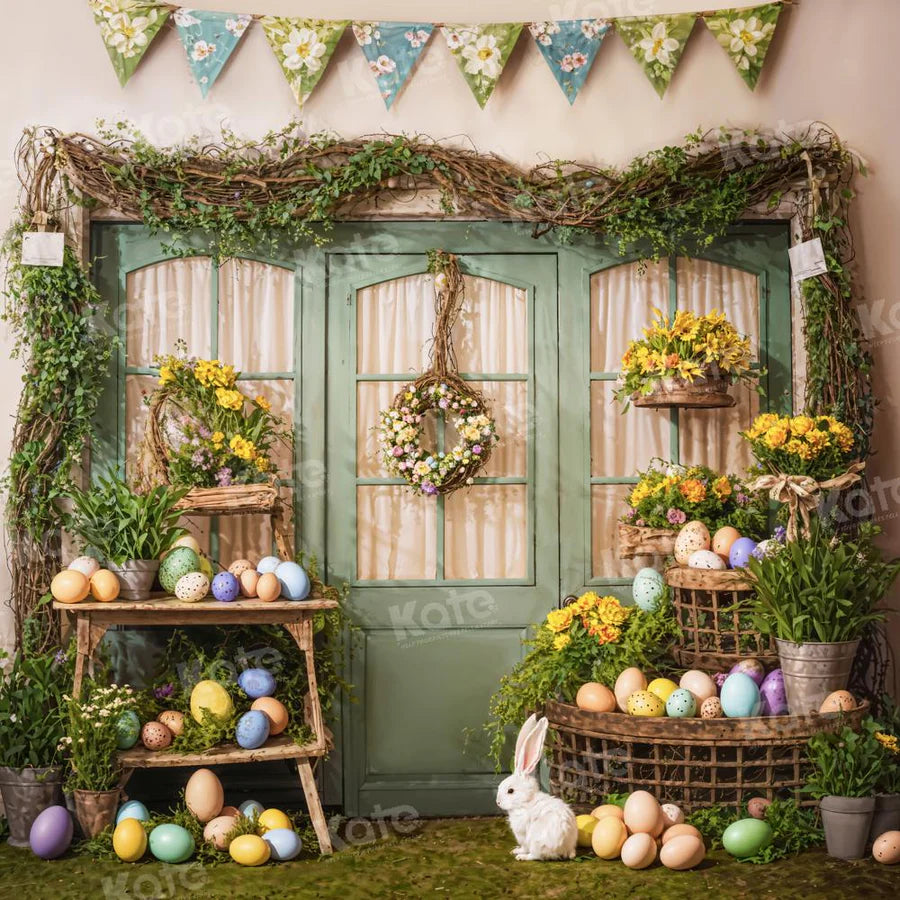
813, 671
135, 578
886, 816
847, 821
27, 792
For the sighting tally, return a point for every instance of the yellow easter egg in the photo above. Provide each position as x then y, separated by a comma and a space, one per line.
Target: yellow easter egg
608, 836
70, 586
104, 586
586, 826
643, 703
270, 819
249, 850
187, 540
662, 687
608, 809
130, 840
212, 696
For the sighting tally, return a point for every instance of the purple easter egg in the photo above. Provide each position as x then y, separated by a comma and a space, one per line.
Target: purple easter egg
752, 667
51, 832
740, 552
774, 698
225, 587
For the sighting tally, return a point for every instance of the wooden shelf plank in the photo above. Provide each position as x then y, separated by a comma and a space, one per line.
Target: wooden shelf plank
280, 747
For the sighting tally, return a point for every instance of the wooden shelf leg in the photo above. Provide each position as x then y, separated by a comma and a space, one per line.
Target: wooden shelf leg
87, 639
302, 633
316, 814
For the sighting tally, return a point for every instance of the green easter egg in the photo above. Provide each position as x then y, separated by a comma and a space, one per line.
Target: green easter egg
178, 562
747, 837
171, 843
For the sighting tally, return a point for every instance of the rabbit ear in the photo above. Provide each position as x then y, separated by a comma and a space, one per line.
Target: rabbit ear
524, 732
532, 747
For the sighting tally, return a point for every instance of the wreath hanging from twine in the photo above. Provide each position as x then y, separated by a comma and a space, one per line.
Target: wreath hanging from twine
439, 389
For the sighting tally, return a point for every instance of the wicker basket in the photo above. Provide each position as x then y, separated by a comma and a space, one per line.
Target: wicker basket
635, 541
238, 499
715, 634
691, 762
710, 392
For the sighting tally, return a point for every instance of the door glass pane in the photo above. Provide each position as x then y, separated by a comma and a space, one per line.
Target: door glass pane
491, 333
251, 537
621, 444
280, 393
396, 533
137, 387
607, 507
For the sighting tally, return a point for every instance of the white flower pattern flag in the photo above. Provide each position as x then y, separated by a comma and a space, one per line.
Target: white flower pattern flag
127, 27
481, 52
745, 35
657, 43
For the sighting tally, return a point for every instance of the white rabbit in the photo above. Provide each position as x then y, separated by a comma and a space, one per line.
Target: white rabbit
543, 825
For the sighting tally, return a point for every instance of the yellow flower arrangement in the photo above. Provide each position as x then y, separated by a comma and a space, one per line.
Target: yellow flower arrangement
559, 620
693, 490
242, 448
602, 618
211, 373
561, 641
262, 403
229, 399
888, 741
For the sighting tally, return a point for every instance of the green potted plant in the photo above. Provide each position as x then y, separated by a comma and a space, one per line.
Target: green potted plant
31, 704
129, 530
847, 766
816, 595
887, 796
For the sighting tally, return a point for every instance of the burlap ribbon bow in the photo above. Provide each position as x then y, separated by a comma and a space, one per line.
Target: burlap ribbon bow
800, 493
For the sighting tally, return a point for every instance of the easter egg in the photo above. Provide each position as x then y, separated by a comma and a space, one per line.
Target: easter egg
752, 667
212, 696
87, 565
757, 807
647, 589
681, 704
773, 694
133, 809
641, 812
699, 684
705, 559
838, 701
217, 830
249, 850
273, 818
173, 719
239, 566
155, 736
682, 852
225, 587
189, 541
128, 729
206, 567
662, 687
595, 697
284, 844
192, 588
268, 564
70, 586
274, 711
608, 836
638, 851
747, 837
268, 587
204, 795
251, 809
608, 809
257, 683
129, 840
680, 830
692, 537
105, 586
723, 540
768, 547
585, 826
178, 562
232, 811
294, 581
51, 832
171, 843
627, 683
249, 580
711, 708
252, 729
740, 696
672, 815
643, 703
886, 848
740, 552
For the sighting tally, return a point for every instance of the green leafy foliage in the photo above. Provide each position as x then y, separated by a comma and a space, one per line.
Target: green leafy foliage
846, 763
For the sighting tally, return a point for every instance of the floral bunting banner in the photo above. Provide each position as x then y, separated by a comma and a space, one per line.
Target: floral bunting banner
304, 48
209, 39
657, 43
392, 49
746, 34
127, 28
481, 52
569, 48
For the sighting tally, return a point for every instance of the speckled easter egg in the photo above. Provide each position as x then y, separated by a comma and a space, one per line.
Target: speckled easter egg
838, 701
711, 708
252, 729
268, 564
681, 704
178, 562
723, 539
249, 580
768, 547
225, 587
128, 729
757, 807
239, 566
886, 848
87, 565
705, 559
173, 719
647, 589
155, 736
643, 703
192, 588
672, 814
693, 537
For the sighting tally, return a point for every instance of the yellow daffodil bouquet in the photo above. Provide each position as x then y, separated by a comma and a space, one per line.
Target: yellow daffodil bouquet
685, 350
214, 434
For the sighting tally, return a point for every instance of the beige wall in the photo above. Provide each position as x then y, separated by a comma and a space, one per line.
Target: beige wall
833, 60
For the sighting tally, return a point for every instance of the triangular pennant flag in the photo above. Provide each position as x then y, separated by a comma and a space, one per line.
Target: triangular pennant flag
746, 35
304, 48
392, 49
569, 46
481, 52
127, 28
209, 39
657, 43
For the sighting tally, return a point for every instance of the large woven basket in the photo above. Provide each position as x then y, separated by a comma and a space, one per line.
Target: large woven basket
636, 541
691, 762
715, 632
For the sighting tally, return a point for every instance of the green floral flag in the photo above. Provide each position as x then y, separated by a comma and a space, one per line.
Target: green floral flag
127, 28
657, 43
481, 52
304, 48
745, 35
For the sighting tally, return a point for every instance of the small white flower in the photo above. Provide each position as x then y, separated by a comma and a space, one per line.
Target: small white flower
239, 25
202, 50
483, 57
184, 18
659, 47
303, 49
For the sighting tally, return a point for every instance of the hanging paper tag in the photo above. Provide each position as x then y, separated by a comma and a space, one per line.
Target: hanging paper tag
807, 260
43, 248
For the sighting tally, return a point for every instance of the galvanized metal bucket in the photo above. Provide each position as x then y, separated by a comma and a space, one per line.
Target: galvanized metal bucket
136, 578
27, 792
813, 671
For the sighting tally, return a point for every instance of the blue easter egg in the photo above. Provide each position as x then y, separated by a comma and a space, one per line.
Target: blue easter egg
225, 587
283, 843
51, 832
128, 730
252, 729
740, 552
171, 843
647, 589
133, 809
256, 683
268, 564
294, 581
740, 696
682, 704
251, 809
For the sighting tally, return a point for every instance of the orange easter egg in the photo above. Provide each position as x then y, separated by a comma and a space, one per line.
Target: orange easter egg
268, 587
69, 586
104, 586
275, 712
249, 579
723, 539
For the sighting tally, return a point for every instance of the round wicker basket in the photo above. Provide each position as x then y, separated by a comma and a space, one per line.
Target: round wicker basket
637, 541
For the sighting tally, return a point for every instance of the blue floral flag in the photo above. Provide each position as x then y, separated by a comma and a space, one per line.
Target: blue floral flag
209, 39
570, 46
392, 49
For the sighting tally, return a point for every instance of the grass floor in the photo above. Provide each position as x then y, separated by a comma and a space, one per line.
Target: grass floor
457, 858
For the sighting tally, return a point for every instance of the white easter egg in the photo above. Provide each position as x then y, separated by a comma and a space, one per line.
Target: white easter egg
705, 559
192, 588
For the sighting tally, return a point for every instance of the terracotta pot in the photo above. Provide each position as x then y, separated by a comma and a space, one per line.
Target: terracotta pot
27, 792
135, 578
813, 671
886, 816
847, 821
95, 810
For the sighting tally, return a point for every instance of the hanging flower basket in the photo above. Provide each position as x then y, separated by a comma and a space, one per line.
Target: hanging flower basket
709, 391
